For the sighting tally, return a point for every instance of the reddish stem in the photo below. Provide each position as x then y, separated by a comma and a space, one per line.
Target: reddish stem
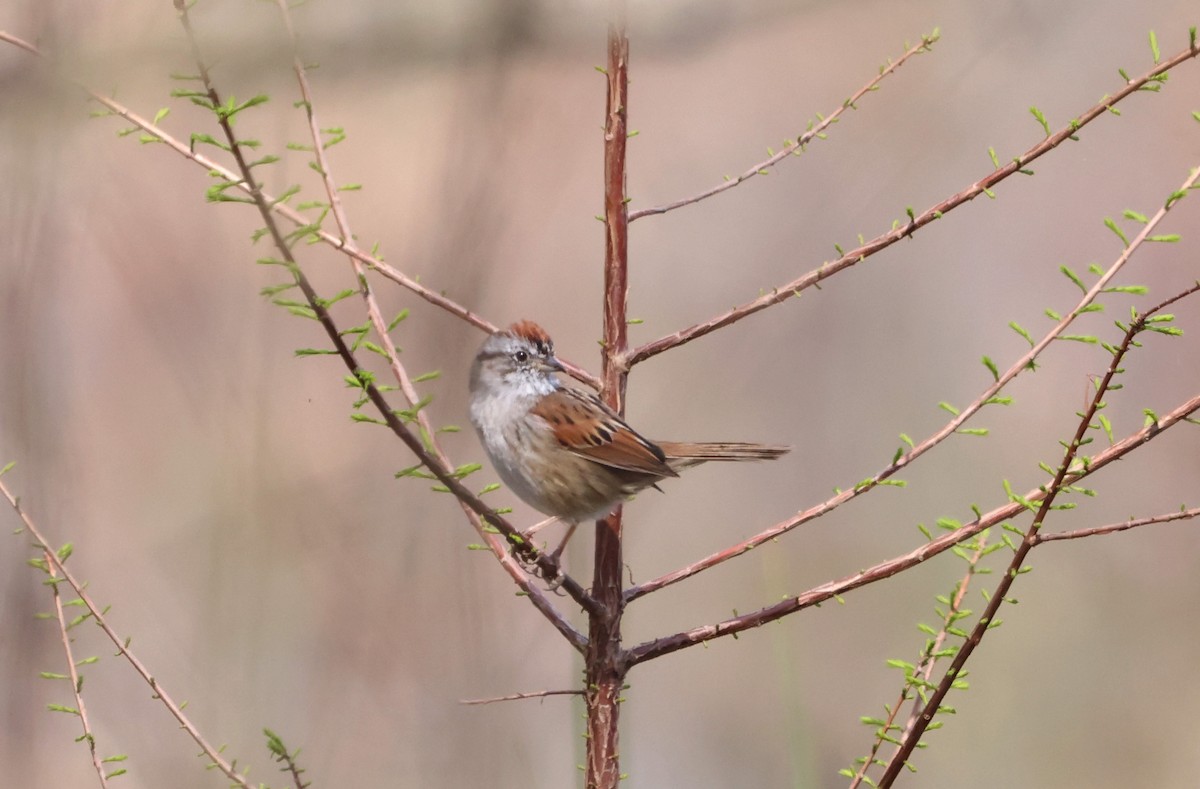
606, 664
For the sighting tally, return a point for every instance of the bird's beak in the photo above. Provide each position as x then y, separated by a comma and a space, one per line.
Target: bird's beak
551, 365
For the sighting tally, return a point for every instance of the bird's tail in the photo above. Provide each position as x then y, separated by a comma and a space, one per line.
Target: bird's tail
681, 454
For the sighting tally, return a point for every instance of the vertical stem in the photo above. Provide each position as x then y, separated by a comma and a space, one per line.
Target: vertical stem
606, 664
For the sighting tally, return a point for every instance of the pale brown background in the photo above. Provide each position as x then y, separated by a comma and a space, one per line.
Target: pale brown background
253, 542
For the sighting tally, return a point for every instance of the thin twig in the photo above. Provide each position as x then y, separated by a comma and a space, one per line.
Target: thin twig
295, 217
832, 589
999, 596
924, 665
536, 694
1116, 527
122, 646
1019, 366
76, 682
497, 544
916, 221
803, 140
547, 565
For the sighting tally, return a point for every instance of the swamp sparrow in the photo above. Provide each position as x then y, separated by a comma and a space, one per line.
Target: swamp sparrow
563, 451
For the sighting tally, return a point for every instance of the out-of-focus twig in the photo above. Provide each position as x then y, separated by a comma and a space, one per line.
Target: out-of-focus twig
76, 682
295, 217
493, 540
122, 646
546, 565
536, 694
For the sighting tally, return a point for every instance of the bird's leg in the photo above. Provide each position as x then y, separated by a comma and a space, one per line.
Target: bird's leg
566, 538
537, 527
557, 581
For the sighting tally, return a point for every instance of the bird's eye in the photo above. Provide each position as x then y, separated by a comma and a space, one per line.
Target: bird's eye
521, 357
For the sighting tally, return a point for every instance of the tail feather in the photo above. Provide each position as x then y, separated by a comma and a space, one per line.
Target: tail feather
689, 454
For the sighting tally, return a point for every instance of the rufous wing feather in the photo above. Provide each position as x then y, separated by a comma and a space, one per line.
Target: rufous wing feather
587, 427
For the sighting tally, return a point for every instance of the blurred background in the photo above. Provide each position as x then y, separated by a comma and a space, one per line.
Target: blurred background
252, 541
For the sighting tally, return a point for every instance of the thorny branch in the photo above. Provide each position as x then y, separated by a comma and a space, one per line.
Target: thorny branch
924, 667
916, 221
1112, 528
999, 596
604, 669
831, 589
987, 396
802, 141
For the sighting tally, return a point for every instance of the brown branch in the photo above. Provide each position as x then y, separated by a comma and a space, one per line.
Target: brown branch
999, 595
295, 217
831, 589
802, 141
925, 664
76, 681
122, 646
1002, 380
1116, 527
497, 545
536, 694
545, 564
604, 661
982, 186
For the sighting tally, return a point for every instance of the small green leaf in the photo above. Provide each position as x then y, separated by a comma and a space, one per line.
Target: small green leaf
396, 321
988, 363
1111, 225
1021, 331
466, 470
1041, 119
